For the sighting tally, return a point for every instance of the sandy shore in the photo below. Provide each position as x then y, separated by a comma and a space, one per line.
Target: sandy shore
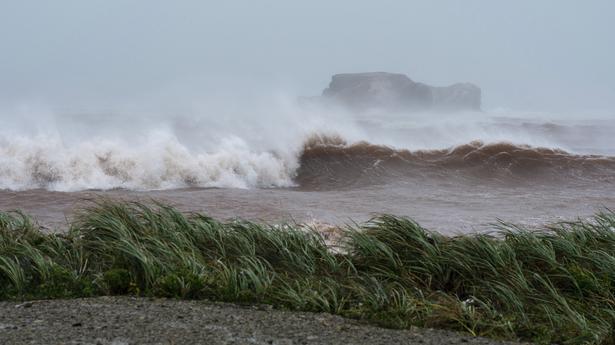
125, 320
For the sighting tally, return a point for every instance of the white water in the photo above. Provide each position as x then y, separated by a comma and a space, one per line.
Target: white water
255, 144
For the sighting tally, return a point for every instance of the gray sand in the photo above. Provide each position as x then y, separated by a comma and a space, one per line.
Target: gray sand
125, 320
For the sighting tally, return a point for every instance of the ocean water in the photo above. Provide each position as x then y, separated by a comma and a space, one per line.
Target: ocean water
299, 161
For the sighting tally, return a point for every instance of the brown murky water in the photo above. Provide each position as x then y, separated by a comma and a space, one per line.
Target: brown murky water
448, 208
464, 187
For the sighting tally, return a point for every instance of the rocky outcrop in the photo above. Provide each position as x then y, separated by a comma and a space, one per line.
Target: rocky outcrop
389, 91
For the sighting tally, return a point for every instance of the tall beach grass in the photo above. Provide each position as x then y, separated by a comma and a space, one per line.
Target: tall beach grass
556, 284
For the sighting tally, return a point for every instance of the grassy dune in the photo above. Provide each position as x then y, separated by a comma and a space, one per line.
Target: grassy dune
553, 285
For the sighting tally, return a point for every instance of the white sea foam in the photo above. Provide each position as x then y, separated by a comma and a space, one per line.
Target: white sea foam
159, 163
214, 146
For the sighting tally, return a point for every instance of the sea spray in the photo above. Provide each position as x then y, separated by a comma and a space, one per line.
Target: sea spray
257, 145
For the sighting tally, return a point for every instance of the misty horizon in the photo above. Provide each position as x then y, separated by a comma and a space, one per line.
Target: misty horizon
537, 56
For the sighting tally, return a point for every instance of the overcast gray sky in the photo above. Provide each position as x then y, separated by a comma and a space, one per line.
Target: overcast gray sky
525, 54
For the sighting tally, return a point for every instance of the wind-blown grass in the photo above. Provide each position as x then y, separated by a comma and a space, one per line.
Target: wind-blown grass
552, 285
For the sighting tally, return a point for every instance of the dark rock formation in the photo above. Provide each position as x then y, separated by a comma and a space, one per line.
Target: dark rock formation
388, 91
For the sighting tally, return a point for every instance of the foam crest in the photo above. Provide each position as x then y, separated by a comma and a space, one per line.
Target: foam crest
161, 162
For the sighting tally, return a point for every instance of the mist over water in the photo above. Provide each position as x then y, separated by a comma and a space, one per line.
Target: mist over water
249, 143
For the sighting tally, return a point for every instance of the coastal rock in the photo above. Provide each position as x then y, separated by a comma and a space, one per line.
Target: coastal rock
390, 91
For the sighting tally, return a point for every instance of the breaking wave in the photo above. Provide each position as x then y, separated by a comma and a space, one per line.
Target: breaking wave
161, 164
323, 162
330, 162
286, 145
